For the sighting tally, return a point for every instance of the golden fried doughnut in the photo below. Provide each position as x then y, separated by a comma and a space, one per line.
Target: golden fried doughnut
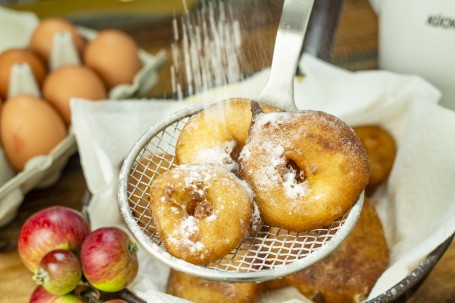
349, 274
306, 168
200, 211
217, 134
381, 149
205, 291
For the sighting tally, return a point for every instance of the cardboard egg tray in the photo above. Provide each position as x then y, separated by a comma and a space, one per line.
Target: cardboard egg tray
42, 171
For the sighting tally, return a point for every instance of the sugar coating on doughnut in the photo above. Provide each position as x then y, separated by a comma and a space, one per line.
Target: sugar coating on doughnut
306, 168
201, 211
349, 274
219, 154
217, 134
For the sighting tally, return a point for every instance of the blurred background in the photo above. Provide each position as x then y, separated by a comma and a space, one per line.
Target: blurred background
149, 22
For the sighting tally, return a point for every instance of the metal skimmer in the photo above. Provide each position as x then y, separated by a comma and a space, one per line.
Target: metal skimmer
271, 252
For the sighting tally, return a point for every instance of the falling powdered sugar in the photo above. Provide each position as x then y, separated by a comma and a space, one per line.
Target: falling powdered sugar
206, 48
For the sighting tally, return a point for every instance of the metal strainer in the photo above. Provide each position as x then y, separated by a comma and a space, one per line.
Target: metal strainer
270, 252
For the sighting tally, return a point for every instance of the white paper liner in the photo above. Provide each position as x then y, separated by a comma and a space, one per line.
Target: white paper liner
416, 205
16, 28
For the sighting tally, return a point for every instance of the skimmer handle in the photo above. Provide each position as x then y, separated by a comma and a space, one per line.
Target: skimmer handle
279, 90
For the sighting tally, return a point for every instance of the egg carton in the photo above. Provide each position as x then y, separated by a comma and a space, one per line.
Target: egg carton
43, 171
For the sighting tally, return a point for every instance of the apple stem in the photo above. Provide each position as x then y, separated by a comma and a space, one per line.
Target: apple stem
132, 247
40, 277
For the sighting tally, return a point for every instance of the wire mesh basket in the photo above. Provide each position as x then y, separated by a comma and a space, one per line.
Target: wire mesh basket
268, 253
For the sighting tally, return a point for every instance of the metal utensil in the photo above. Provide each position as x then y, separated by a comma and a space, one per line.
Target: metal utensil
271, 252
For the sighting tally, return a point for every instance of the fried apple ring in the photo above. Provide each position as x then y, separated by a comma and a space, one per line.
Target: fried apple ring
220, 130
349, 274
205, 291
201, 212
381, 150
305, 168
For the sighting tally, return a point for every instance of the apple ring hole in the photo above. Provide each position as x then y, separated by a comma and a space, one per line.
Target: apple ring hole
293, 171
198, 206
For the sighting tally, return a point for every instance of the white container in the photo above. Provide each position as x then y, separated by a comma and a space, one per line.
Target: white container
418, 37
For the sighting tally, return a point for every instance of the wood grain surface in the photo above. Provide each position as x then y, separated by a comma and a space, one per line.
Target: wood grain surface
355, 48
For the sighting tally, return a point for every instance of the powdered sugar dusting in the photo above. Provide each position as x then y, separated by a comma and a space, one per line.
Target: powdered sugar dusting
273, 118
195, 220
220, 154
277, 174
247, 188
275, 171
174, 209
195, 177
277, 155
292, 188
212, 217
277, 139
256, 219
184, 233
245, 153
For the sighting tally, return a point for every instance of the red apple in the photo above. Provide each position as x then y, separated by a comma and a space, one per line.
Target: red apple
56, 227
59, 272
108, 259
40, 295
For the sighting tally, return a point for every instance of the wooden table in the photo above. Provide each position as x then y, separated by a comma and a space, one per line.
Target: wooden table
354, 48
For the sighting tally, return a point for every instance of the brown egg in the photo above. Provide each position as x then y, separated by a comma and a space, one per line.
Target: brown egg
72, 81
14, 56
29, 127
43, 35
114, 56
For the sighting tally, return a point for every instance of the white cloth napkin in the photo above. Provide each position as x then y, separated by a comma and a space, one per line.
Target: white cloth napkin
416, 206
